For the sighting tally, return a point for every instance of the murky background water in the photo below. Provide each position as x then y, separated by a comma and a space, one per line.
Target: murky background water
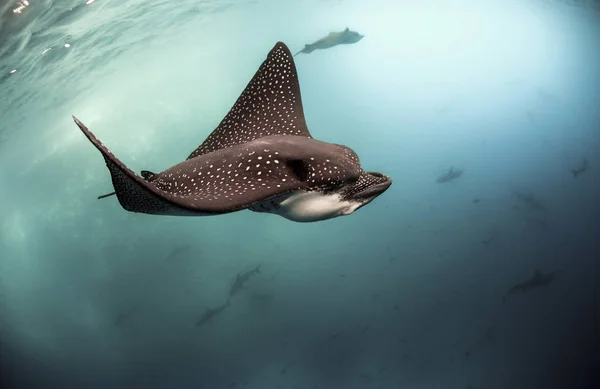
406, 293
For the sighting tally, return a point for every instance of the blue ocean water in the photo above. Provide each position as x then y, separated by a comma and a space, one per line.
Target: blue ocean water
411, 291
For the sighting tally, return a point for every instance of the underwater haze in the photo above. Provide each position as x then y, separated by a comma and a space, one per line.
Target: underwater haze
477, 269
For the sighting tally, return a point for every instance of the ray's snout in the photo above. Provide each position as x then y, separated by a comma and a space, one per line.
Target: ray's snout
369, 186
382, 184
376, 174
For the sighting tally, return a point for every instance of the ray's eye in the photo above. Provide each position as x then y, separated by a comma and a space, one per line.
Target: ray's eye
352, 180
299, 168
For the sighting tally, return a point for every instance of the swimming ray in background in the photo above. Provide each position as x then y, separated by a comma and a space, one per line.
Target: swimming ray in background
581, 168
261, 157
451, 175
531, 201
333, 39
240, 280
210, 313
537, 280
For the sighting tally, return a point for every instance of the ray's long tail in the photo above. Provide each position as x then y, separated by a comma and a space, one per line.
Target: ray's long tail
107, 195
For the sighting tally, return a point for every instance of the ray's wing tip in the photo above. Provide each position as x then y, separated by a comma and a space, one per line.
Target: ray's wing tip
78, 122
282, 46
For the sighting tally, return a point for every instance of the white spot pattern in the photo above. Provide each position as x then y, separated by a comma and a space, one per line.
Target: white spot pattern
270, 105
208, 177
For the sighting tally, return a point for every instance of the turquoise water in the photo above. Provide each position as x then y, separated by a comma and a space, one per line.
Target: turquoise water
405, 293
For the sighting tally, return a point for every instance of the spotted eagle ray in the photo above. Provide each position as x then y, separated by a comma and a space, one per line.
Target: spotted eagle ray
261, 157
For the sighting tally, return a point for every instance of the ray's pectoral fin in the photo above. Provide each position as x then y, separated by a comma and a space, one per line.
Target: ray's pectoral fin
273, 94
133, 192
